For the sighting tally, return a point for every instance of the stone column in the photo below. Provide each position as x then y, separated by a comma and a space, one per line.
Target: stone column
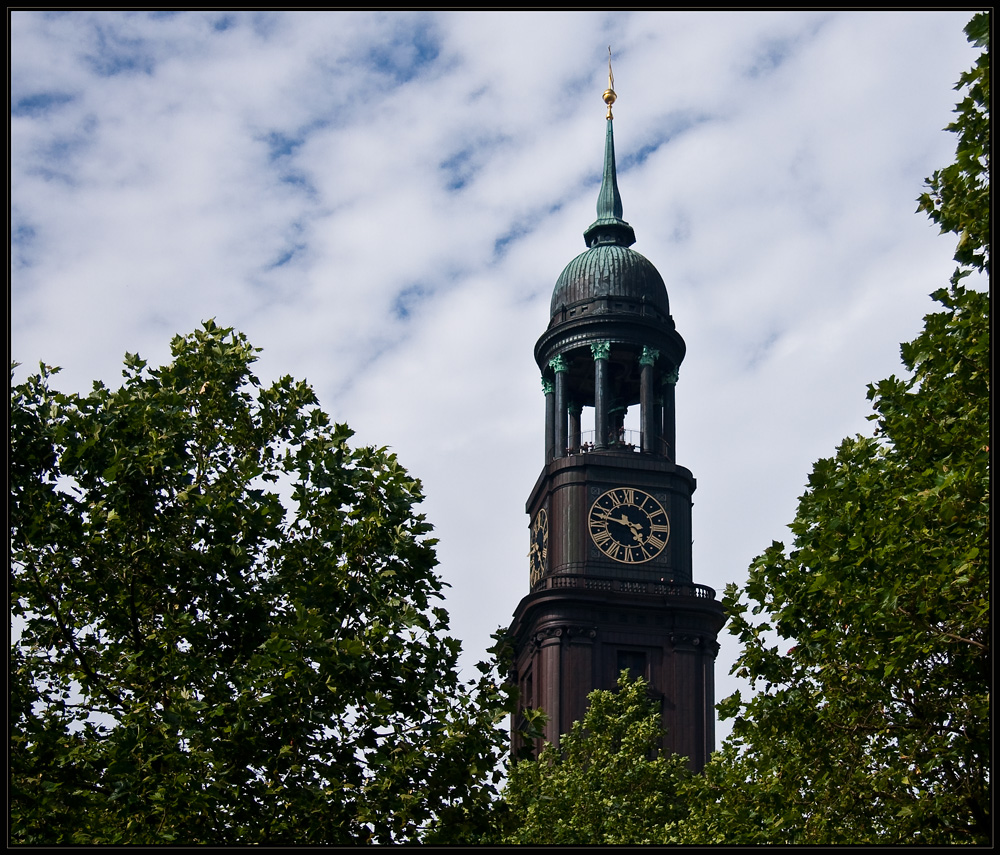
647, 402
559, 365
550, 419
550, 654
669, 422
601, 351
574, 428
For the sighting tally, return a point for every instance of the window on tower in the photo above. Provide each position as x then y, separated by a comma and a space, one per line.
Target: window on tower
633, 661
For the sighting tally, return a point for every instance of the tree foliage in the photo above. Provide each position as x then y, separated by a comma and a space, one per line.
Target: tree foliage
225, 627
959, 195
607, 782
872, 720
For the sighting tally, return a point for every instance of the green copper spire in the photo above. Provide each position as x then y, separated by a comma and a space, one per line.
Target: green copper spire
609, 227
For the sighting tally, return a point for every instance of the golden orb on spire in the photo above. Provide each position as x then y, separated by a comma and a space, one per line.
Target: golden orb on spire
609, 93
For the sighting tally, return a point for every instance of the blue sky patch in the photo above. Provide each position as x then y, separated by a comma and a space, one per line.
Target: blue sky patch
40, 102
297, 179
286, 256
770, 56
281, 145
461, 167
505, 240
407, 53
118, 54
281, 149
54, 157
265, 23
674, 125
22, 240
21, 233
407, 300
458, 169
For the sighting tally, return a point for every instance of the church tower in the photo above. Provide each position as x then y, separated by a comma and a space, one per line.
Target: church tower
611, 587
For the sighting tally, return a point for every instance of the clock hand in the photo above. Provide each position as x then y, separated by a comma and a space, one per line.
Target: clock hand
635, 528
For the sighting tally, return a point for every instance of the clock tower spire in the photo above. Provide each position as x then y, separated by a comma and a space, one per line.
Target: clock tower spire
610, 577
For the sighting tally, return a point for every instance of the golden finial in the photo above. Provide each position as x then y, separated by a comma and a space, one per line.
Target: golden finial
609, 93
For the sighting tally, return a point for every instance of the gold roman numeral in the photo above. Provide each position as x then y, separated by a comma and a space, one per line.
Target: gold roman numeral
601, 536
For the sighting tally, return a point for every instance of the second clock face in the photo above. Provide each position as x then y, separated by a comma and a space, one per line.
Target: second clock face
539, 545
629, 525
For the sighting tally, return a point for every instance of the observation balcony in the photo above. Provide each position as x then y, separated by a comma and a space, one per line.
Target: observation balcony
655, 587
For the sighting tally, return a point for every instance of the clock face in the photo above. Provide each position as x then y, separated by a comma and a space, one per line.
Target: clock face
629, 525
539, 545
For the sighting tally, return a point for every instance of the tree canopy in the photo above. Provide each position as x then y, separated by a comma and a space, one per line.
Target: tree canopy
869, 638
608, 782
225, 627
958, 197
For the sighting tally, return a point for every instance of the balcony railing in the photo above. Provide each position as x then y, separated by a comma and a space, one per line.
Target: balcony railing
626, 440
625, 586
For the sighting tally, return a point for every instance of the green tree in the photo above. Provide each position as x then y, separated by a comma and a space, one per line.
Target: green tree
869, 638
225, 627
959, 195
606, 783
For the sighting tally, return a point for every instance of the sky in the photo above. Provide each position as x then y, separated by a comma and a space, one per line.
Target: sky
383, 201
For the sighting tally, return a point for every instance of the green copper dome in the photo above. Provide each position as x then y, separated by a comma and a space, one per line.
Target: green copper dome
609, 272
